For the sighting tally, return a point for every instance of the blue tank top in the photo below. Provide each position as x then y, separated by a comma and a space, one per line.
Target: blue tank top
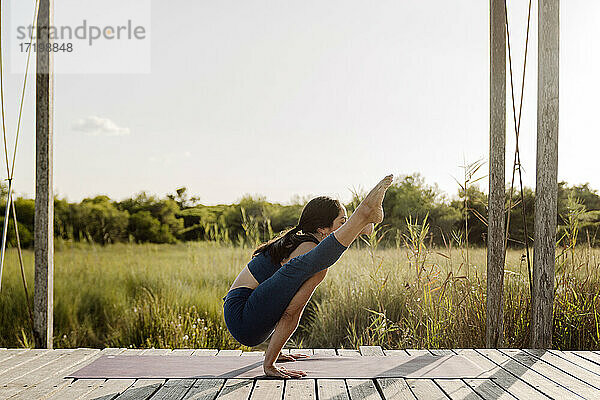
262, 266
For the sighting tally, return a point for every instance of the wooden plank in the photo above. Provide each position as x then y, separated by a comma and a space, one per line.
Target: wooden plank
113, 350
13, 362
588, 355
332, 389
181, 352
53, 380
204, 389
236, 389
205, 352
108, 390
76, 389
370, 351
32, 365
579, 361
173, 389
156, 352
567, 367
395, 389
229, 353
457, 389
84, 388
142, 389
555, 374
418, 352
526, 374
503, 378
5, 354
487, 389
268, 389
133, 352
441, 352
362, 389
302, 389
308, 352
546, 183
426, 389
497, 161
325, 352
348, 353
395, 352
478, 359
253, 354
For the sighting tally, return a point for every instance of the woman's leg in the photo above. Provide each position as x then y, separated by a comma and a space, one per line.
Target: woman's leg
269, 300
287, 325
288, 322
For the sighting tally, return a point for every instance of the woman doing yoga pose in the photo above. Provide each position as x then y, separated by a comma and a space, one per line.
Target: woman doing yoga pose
268, 297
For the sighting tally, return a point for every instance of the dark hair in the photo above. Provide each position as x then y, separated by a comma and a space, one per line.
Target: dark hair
320, 212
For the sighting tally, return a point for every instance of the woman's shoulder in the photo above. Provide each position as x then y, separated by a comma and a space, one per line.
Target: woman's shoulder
305, 246
302, 248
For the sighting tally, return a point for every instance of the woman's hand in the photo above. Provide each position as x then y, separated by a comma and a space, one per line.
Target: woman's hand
368, 229
290, 357
281, 372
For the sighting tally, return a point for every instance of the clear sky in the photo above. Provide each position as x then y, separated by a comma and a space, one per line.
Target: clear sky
304, 98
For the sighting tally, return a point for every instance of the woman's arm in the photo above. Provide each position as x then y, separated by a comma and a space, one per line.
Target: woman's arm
290, 319
284, 329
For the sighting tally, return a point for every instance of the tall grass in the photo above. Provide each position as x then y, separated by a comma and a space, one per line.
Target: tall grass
128, 295
408, 296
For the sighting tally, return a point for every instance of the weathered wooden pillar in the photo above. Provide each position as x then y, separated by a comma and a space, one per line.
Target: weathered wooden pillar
546, 185
44, 199
495, 239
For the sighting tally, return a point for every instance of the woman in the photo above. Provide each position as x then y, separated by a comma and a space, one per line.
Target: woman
268, 297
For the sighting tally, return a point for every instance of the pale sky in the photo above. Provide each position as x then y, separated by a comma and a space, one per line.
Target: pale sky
304, 97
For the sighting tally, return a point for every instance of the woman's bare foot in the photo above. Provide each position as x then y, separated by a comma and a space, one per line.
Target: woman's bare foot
368, 212
290, 357
372, 205
282, 372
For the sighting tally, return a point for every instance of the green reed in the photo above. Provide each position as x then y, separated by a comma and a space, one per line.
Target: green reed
149, 295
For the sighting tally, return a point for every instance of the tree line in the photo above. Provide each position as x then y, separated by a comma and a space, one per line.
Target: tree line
409, 201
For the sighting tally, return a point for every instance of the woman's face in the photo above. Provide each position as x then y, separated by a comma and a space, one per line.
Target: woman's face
337, 222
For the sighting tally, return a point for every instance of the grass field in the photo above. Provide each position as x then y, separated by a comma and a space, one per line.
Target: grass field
170, 296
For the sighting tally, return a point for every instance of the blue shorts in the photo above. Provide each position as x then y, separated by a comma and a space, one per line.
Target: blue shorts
251, 314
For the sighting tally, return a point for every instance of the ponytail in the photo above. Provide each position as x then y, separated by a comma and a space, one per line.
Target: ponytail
319, 212
280, 247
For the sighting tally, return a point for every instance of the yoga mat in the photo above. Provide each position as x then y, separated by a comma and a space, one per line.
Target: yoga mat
316, 366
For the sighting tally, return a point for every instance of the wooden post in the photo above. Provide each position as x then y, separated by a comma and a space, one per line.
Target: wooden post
546, 185
495, 239
44, 199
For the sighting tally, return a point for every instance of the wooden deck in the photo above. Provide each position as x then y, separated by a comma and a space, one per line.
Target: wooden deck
522, 374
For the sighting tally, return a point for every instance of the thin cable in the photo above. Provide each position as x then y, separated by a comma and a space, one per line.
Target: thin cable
517, 123
29, 306
2, 96
35, 15
10, 171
